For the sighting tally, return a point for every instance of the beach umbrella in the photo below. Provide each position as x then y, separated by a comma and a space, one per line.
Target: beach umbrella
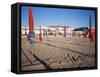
31, 34
31, 21
90, 27
25, 31
40, 35
64, 31
91, 33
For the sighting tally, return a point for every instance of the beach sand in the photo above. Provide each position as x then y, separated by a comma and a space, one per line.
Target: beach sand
57, 53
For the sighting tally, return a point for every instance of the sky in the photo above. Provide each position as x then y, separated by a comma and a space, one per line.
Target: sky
57, 16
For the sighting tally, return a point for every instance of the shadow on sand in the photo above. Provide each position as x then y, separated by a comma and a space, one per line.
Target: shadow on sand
41, 61
74, 51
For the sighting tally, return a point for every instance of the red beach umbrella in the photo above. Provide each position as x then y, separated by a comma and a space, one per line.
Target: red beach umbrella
31, 21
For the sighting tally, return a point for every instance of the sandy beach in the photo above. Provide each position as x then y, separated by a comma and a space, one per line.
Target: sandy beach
57, 53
